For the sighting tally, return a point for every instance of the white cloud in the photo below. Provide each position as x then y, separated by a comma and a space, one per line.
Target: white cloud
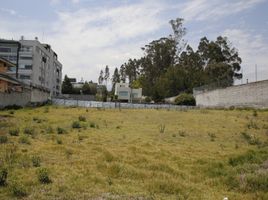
253, 51
87, 41
214, 9
9, 11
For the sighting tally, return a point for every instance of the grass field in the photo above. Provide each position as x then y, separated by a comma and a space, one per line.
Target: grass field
78, 153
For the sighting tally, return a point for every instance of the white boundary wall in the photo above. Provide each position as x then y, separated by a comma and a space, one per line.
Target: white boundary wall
247, 95
97, 104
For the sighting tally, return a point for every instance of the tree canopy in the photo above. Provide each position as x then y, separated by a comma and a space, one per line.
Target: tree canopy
169, 66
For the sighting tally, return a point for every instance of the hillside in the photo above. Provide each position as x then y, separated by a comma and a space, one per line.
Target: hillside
78, 153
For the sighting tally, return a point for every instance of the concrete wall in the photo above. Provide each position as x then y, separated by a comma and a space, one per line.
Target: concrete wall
39, 96
15, 98
247, 95
24, 98
83, 97
112, 105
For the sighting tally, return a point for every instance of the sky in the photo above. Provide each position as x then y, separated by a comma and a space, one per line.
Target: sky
87, 35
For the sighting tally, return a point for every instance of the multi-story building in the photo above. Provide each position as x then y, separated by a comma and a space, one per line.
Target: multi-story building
125, 93
37, 64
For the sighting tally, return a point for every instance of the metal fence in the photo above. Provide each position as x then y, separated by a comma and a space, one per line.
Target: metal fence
113, 105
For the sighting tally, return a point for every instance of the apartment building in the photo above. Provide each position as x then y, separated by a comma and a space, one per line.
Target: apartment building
37, 64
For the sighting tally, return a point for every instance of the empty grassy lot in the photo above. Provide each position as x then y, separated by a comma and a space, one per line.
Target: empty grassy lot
78, 153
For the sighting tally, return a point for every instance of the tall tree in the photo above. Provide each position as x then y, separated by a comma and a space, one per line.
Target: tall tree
106, 74
178, 33
219, 55
159, 55
122, 73
67, 87
115, 79
101, 78
132, 70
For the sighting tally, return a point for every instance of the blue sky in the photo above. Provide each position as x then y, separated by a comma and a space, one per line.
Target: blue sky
90, 34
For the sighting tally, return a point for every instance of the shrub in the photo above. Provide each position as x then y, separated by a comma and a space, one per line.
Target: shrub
46, 110
162, 128
14, 132
76, 124
61, 130
3, 176
82, 118
182, 133
49, 129
36, 119
11, 112
18, 190
24, 140
212, 137
252, 140
3, 139
13, 107
252, 125
69, 153
185, 99
249, 158
28, 131
92, 125
43, 176
255, 114
148, 99
36, 160
59, 141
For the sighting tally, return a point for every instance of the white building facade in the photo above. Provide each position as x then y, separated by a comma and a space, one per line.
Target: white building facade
37, 64
125, 93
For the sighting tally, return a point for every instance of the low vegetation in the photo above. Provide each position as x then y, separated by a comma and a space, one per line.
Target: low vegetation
78, 153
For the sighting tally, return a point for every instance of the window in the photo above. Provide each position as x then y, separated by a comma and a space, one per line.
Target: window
5, 49
26, 49
25, 77
28, 67
26, 58
123, 93
12, 69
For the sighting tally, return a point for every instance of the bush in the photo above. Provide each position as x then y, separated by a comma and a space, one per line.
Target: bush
212, 137
185, 99
11, 112
14, 132
92, 125
76, 124
162, 128
12, 107
18, 190
3, 176
3, 139
182, 133
252, 140
46, 110
59, 141
255, 113
43, 176
49, 130
61, 130
82, 118
148, 99
249, 157
28, 131
36, 160
24, 140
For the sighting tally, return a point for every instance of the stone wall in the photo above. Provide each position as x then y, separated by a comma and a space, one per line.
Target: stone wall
247, 95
